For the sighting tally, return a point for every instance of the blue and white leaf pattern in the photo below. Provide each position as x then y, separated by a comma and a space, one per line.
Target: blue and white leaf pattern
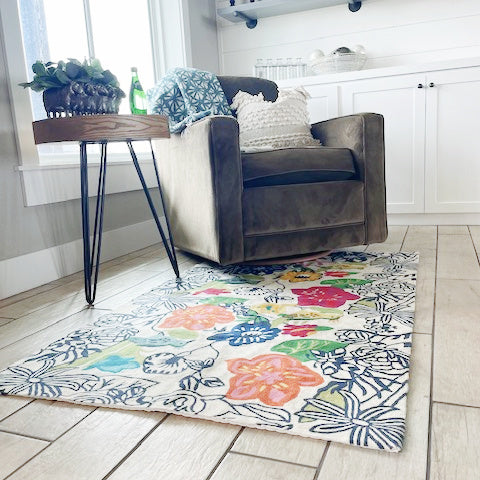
185, 95
379, 425
245, 333
135, 359
41, 381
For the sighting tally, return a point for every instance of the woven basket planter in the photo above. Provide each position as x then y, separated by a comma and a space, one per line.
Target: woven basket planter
82, 99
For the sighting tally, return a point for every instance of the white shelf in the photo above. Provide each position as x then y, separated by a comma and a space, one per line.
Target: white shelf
270, 8
368, 73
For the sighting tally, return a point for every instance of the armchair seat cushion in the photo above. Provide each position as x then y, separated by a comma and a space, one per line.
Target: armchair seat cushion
289, 166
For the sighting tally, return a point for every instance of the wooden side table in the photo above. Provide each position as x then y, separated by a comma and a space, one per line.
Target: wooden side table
102, 129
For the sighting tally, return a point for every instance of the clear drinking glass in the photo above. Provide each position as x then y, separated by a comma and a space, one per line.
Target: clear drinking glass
291, 70
271, 69
260, 68
282, 69
301, 67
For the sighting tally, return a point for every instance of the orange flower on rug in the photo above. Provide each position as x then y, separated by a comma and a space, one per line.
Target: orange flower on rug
199, 317
273, 379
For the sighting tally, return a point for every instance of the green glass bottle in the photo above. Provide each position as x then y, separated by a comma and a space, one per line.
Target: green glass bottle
138, 101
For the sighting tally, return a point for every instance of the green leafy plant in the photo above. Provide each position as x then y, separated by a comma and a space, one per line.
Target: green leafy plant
56, 75
302, 349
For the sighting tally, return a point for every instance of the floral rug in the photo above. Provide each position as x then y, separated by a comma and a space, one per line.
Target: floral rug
318, 349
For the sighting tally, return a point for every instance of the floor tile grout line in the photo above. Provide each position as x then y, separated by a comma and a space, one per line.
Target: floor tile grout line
477, 253
135, 447
10, 320
225, 453
432, 366
456, 404
74, 293
80, 291
84, 307
50, 444
137, 268
161, 248
279, 460
27, 461
29, 296
48, 304
25, 435
18, 409
404, 237
459, 279
148, 278
322, 461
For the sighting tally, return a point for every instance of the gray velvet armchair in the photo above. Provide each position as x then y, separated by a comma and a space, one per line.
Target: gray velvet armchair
230, 207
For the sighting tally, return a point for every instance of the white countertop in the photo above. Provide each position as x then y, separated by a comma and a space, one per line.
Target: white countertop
380, 72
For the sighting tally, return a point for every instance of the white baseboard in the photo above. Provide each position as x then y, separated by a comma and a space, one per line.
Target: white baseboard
22, 273
434, 219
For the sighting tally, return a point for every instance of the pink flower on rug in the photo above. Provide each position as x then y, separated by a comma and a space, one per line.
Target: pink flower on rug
337, 274
199, 317
212, 291
273, 379
299, 330
330, 297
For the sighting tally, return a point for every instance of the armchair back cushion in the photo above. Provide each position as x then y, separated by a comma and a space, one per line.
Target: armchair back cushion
232, 85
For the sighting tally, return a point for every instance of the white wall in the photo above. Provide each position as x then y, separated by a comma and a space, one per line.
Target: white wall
394, 32
188, 33
203, 35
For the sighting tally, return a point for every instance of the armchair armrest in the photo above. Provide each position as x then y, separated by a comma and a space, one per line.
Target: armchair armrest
363, 134
201, 177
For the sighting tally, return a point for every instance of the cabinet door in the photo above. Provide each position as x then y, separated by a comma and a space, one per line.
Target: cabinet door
323, 103
452, 182
402, 104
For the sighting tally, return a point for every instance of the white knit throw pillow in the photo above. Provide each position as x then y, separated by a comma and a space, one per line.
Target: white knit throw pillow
279, 124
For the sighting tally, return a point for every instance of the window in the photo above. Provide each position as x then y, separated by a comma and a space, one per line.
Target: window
117, 32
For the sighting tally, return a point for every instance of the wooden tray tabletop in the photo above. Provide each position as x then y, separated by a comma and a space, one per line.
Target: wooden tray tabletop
97, 128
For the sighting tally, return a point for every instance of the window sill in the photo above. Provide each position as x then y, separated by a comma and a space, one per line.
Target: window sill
44, 184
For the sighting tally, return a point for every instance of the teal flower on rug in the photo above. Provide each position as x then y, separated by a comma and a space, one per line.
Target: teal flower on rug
319, 349
115, 364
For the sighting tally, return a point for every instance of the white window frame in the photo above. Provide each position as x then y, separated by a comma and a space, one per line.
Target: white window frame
58, 182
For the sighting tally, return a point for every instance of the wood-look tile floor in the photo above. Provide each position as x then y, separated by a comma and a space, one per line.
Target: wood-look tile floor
53, 440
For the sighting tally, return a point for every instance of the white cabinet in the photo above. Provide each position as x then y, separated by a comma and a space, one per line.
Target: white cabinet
452, 153
432, 133
323, 103
402, 104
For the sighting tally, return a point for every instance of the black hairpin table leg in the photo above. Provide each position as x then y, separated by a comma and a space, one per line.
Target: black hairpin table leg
169, 247
91, 253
